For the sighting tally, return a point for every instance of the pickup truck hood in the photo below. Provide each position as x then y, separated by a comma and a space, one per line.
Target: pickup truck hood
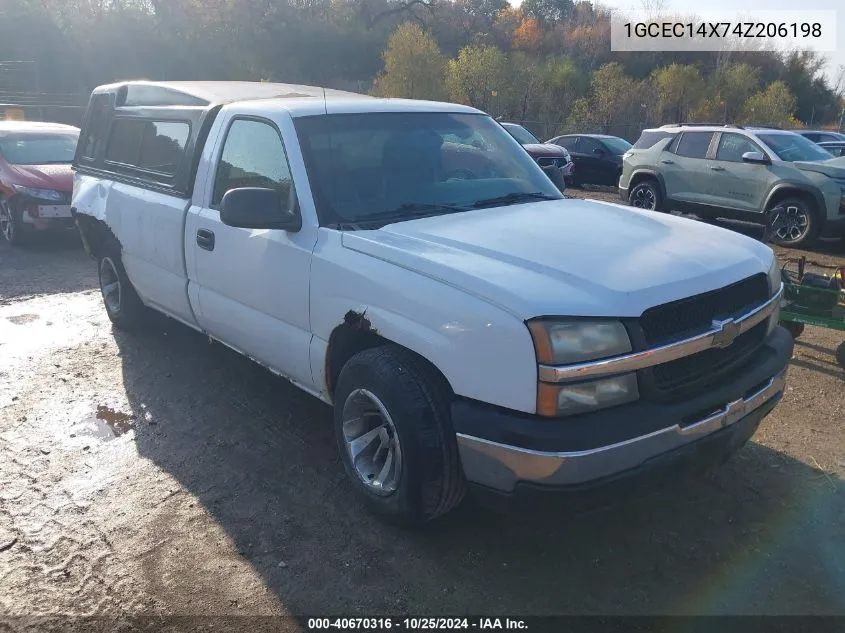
568, 257
58, 177
835, 167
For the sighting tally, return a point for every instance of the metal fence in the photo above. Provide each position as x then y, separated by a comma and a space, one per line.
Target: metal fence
23, 97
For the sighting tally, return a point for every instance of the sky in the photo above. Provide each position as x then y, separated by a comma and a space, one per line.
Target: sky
690, 6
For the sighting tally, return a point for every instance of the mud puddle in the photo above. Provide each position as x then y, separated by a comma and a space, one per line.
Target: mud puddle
105, 425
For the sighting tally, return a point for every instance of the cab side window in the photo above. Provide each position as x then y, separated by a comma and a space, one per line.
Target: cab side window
733, 146
253, 156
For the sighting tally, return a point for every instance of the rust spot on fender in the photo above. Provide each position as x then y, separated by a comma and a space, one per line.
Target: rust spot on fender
358, 321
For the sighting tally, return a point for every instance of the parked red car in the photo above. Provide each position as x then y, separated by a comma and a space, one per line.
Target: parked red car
554, 160
36, 182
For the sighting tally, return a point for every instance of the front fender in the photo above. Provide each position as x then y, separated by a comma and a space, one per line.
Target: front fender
485, 353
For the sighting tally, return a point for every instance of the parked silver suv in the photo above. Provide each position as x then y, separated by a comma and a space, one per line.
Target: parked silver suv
738, 173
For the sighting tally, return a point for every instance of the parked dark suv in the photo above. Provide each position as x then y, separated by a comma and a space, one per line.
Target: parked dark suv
554, 159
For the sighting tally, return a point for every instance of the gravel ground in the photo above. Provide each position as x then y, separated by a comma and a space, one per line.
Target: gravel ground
159, 474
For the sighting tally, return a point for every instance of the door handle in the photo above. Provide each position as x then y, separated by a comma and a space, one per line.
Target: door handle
667, 162
715, 168
205, 239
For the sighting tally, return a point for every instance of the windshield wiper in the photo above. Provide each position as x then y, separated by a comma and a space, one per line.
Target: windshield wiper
412, 210
514, 198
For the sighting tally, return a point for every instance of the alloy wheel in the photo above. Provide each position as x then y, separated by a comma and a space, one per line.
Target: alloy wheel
643, 198
372, 443
7, 227
110, 285
791, 224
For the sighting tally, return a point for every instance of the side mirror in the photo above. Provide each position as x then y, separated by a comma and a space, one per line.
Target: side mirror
259, 208
598, 151
757, 158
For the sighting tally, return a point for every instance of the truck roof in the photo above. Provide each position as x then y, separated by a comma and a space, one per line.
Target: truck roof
300, 100
207, 93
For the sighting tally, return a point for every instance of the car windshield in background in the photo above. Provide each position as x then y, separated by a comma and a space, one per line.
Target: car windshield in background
617, 146
378, 168
38, 149
794, 147
522, 135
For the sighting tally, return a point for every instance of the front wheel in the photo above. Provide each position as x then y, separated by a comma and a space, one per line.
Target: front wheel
793, 222
123, 306
646, 195
394, 433
10, 226
840, 355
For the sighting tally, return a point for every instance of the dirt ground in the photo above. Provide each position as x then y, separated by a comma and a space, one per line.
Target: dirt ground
159, 474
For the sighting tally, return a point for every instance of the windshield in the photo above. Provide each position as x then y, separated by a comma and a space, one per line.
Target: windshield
794, 147
378, 168
38, 149
521, 134
616, 146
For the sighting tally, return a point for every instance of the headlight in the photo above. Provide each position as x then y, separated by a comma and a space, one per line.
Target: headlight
566, 342
555, 400
40, 194
774, 277
775, 280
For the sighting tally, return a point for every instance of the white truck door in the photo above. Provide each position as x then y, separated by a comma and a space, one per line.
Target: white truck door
251, 285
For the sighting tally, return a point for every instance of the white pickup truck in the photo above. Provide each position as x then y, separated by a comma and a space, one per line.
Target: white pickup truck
471, 326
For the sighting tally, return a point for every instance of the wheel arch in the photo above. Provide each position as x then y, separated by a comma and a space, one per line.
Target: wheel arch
357, 334
640, 175
783, 191
97, 238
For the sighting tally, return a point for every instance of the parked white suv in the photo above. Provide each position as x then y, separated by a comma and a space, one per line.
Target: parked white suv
467, 322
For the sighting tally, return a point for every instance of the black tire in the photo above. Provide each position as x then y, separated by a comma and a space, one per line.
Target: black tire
430, 481
125, 309
798, 225
10, 226
840, 355
646, 195
794, 328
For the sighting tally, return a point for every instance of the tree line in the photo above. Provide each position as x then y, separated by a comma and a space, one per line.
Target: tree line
547, 63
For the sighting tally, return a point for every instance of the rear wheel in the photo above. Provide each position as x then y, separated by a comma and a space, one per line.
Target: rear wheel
646, 195
125, 309
793, 222
395, 436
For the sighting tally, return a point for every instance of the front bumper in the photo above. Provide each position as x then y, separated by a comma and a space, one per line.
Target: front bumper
505, 450
43, 215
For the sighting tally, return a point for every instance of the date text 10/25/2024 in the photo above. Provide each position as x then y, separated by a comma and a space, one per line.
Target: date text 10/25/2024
416, 624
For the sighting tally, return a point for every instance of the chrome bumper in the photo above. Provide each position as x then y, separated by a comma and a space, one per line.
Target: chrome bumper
500, 466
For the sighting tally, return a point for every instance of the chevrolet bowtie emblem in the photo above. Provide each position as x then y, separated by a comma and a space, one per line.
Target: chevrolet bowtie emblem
726, 332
